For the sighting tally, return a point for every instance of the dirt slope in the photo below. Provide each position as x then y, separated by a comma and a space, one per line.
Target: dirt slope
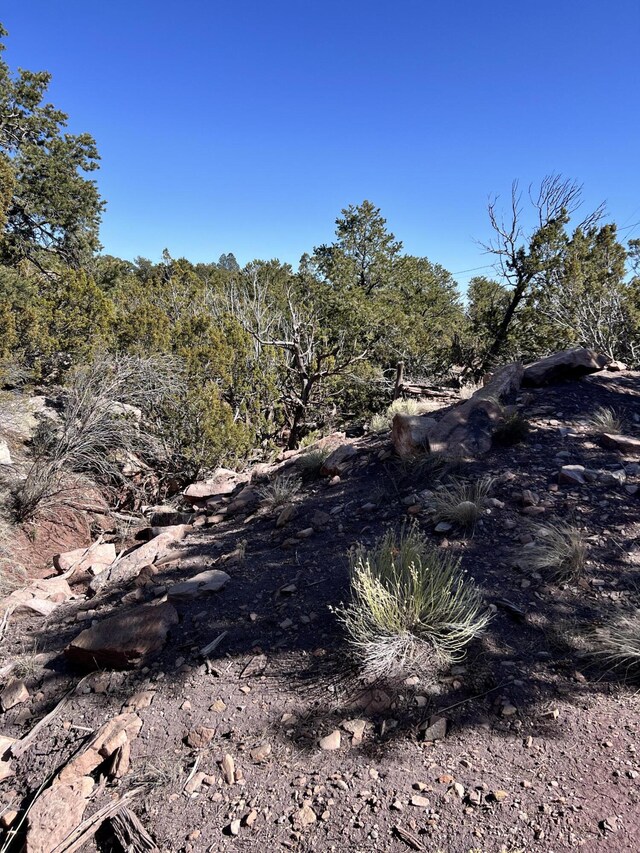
540, 745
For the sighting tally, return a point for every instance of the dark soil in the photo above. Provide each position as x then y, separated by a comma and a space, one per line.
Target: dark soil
540, 736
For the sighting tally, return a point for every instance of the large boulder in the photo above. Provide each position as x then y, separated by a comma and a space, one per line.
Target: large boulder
125, 640
338, 460
567, 364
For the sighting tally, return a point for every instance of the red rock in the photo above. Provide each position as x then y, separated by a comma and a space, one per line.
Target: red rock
91, 560
55, 813
124, 640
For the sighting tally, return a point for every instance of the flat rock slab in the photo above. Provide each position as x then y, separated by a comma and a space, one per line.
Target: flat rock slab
125, 640
625, 444
13, 694
223, 482
56, 813
203, 583
93, 560
567, 364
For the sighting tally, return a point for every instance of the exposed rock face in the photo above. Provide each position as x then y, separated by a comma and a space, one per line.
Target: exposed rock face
466, 429
568, 364
124, 640
626, 444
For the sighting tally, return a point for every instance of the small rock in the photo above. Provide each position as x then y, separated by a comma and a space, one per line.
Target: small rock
13, 694
234, 827
420, 802
200, 737
304, 817
330, 742
436, 729
261, 752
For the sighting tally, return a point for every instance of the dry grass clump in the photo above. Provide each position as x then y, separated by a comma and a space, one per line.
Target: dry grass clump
280, 492
514, 429
412, 608
13, 574
469, 389
379, 423
461, 501
311, 461
605, 419
618, 645
558, 549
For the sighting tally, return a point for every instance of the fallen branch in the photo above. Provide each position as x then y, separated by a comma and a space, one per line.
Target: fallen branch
131, 834
88, 828
21, 746
206, 651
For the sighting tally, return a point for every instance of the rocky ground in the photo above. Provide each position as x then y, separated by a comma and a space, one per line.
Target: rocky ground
270, 741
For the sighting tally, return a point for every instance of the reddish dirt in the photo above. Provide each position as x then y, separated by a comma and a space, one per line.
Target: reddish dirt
541, 737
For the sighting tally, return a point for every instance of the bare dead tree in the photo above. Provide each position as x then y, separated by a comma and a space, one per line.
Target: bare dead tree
312, 356
524, 258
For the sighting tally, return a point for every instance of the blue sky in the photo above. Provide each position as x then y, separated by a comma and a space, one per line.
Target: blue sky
245, 127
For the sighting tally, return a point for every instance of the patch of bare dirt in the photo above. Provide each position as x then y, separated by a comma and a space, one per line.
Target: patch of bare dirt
271, 742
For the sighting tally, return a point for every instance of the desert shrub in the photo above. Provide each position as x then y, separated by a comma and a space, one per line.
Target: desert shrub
605, 419
379, 423
280, 492
412, 608
311, 461
99, 420
460, 502
618, 644
558, 549
514, 429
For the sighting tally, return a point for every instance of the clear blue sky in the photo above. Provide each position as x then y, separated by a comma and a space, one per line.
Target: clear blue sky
245, 127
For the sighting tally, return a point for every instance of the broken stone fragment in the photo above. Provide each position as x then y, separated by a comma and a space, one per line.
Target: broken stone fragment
125, 640
223, 482
203, 583
56, 813
91, 560
625, 444
13, 694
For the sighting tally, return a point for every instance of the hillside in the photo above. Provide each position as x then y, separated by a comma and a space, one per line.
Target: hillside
271, 739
